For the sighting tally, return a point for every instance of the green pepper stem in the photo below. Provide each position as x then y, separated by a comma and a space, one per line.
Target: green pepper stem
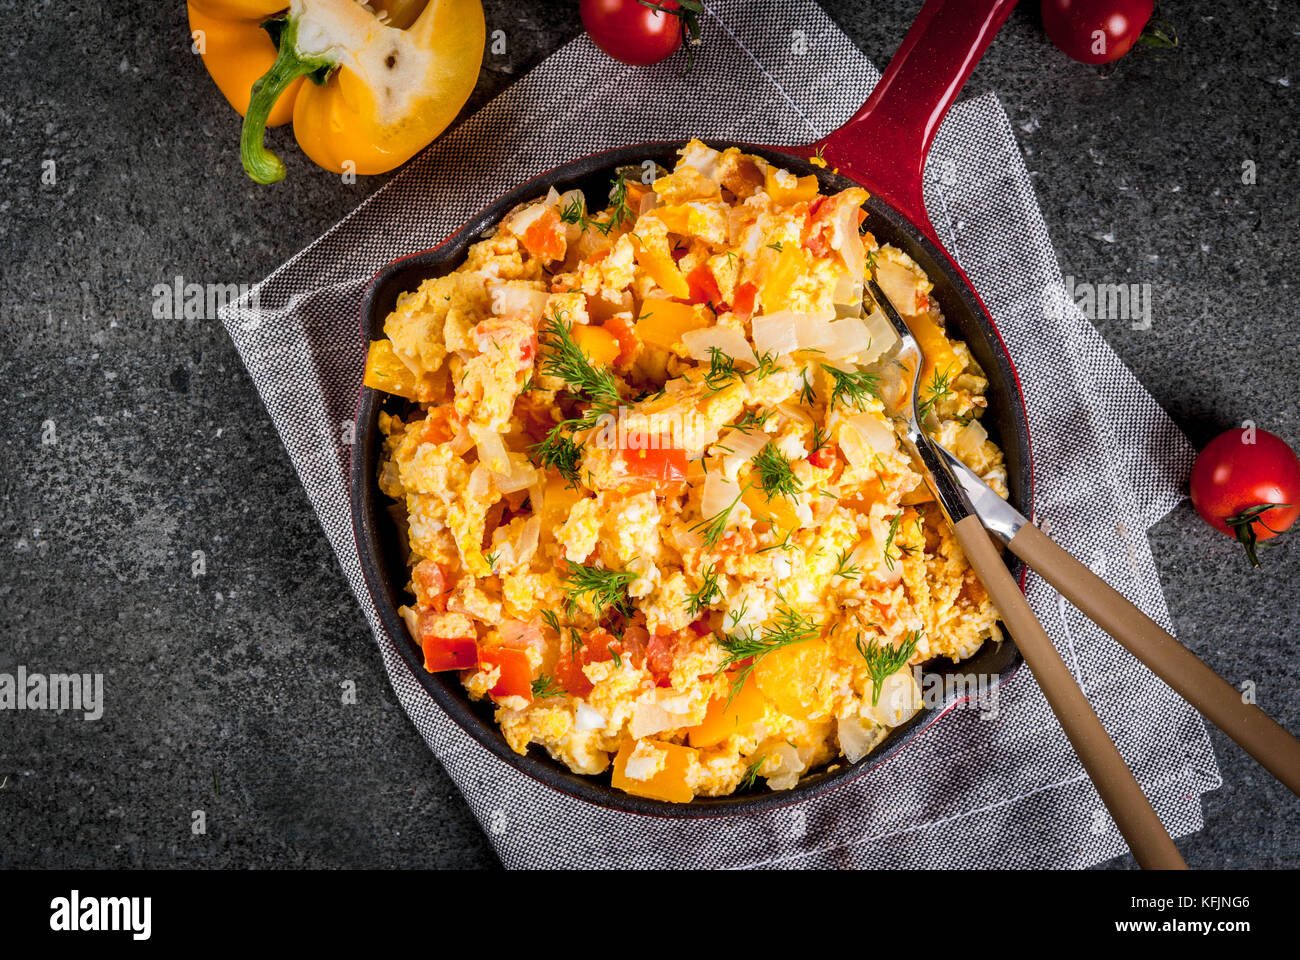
259, 162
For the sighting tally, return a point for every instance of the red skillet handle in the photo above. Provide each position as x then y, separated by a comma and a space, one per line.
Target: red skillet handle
884, 145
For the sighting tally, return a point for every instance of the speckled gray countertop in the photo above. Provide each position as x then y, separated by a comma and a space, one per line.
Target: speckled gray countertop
130, 443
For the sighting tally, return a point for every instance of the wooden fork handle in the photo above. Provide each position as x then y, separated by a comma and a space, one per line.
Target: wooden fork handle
1129, 808
1258, 734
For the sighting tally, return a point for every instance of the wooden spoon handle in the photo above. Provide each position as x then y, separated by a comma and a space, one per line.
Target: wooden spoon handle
1257, 733
1129, 808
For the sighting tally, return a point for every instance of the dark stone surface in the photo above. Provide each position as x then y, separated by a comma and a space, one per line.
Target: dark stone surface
224, 691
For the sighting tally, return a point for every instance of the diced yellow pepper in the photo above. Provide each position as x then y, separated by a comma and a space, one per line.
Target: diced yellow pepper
558, 499
804, 188
727, 715
779, 281
936, 350
661, 269
662, 322
385, 371
669, 784
600, 346
777, 511
795, 677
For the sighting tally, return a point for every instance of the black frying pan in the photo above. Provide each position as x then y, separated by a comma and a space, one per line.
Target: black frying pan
883, 148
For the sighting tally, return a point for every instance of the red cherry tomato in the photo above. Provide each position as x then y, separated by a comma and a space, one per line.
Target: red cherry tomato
1096, 31
1246, 483
631, 31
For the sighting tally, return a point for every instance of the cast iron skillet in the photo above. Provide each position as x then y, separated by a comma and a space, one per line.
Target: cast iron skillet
883, 148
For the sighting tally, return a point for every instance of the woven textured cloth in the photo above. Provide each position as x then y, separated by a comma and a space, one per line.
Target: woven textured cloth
968, 792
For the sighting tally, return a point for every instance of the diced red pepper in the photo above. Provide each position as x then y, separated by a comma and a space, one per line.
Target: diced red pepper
743, 303
621, 328
660, 654
703, 285
597, 646
664, 465
449, 653
516, 672
822, 457
544, 237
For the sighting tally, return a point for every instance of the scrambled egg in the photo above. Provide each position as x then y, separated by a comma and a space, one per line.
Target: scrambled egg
655, 508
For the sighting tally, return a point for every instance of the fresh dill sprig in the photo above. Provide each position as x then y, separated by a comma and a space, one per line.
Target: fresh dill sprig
560, 452
820, 437
767, 365
709, 592
544, 686
605, 588
715, 527
492, 559
722, 370
570, 364
884, 661
752, 420
940, 388
750, 779
786, 628
575, 636
775, 474
806, 393
775, 246
889, 540
575, 211
844, 565
852, 387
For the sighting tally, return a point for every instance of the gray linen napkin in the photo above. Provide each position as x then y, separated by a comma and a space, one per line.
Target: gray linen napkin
1108, 462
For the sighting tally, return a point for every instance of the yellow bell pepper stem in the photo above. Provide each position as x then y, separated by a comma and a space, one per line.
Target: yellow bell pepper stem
259, 162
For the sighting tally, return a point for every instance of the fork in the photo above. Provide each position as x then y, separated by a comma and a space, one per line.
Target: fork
1128, 806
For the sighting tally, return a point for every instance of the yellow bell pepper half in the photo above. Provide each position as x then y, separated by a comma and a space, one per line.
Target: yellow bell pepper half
386, 78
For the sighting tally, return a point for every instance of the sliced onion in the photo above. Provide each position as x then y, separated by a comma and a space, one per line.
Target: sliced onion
480, 481
740, 447
522, 475
515, 298
969, 442
883, 337
719, 493
588, 718
727, 339
876, 433
775, 333
492, 451
856, 738
846, 239
900, 698
848, 337
848, 290
649, 718
813, 332
792, 411
792, 766
898, 284
526, 545
521, 219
